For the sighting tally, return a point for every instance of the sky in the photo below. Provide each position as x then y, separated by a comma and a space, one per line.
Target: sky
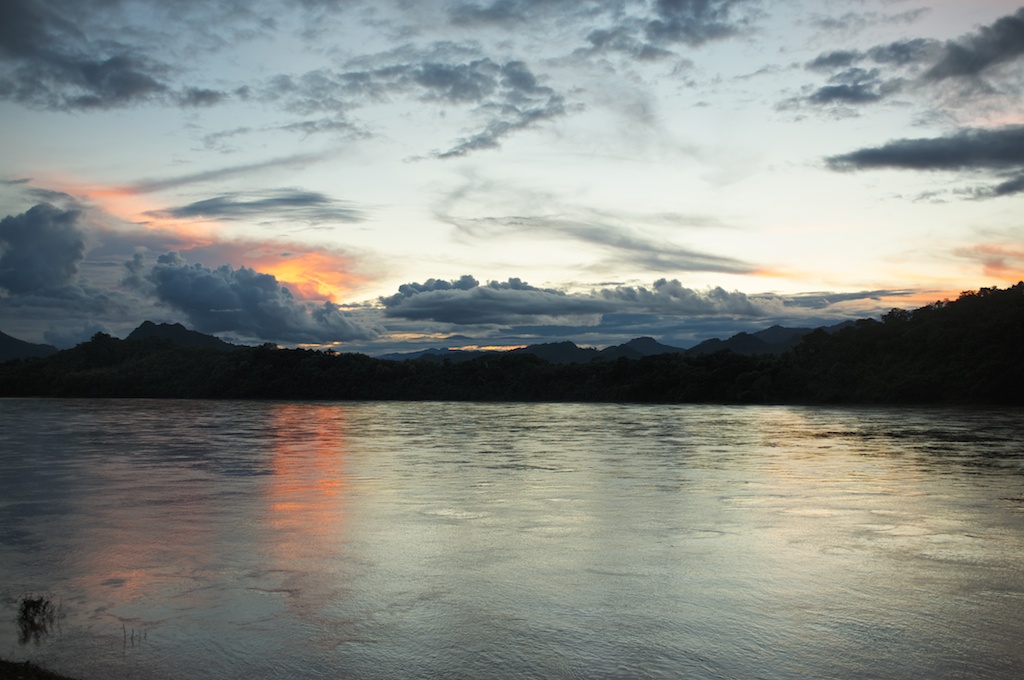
390, 176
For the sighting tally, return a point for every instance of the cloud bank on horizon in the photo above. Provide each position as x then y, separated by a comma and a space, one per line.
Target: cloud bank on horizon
383, 176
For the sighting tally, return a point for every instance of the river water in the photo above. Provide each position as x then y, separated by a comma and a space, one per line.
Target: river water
447, 540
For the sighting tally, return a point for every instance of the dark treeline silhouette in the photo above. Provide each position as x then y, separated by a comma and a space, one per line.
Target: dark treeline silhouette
970, 350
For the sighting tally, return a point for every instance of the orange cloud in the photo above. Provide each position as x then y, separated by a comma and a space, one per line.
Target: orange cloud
1003, 262
310, 272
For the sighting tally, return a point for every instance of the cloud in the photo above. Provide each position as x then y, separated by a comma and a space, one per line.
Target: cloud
990, 46
613, 232
998, 150
40, 249
855, 22
290, 204
244, 301
924, 63
854, 86
49, 60
670, 297
498, 12
300, 160
838, 59
506, 95
695, 22
1000, 260
624, 245
465, 301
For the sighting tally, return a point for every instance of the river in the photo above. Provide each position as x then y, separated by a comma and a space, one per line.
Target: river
192, 539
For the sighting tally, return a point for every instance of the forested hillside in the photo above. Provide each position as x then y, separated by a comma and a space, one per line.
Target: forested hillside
970, 350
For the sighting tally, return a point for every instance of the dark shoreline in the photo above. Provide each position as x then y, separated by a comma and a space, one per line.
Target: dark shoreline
26, 670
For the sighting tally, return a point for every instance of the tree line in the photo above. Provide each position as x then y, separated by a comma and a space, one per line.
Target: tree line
970, 350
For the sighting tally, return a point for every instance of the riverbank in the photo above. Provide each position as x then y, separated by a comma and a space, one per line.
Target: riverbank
12, 670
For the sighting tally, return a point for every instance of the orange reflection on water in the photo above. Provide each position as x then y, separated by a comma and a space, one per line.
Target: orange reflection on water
306, 490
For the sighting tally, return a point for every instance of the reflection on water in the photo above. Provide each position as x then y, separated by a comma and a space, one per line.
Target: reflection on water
266, 540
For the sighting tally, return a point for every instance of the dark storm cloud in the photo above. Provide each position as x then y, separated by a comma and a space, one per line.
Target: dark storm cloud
246, 302
999, 151
467, 302
294, 204
40, 250
972, 55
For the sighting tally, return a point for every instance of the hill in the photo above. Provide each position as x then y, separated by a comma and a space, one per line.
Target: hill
13, 348
179, 336
970, 350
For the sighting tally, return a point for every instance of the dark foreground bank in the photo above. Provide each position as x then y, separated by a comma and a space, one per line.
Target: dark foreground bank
966, 351
10, 670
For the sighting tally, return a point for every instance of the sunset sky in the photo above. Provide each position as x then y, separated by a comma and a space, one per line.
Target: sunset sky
390, 176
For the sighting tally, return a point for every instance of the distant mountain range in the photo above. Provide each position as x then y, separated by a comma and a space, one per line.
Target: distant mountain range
774, 340
966, 351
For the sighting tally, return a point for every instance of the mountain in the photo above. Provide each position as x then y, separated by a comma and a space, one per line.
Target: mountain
559, 352
179, 335
438, 354
774, 340
13, 348
638, 347
965, 351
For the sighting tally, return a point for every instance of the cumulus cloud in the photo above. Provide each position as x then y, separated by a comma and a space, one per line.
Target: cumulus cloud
998, 151
465, 301
40, 249
246, 302
294, 204
670, 297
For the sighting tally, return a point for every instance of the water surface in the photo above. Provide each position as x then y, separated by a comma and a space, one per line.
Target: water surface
449, 540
